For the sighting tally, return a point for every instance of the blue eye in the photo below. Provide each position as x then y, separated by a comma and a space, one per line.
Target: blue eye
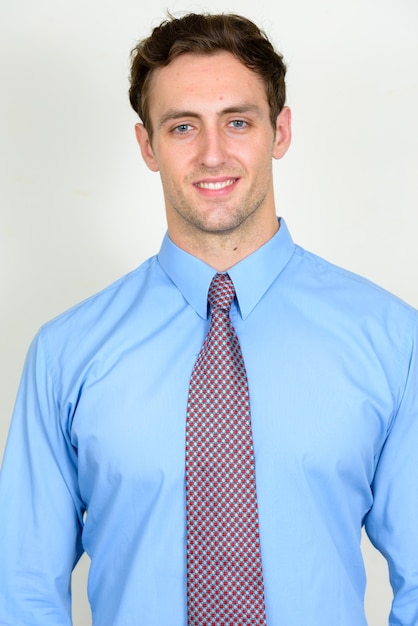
238, 123
182, 128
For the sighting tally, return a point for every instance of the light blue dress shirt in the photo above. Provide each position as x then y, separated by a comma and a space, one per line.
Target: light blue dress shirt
95, 455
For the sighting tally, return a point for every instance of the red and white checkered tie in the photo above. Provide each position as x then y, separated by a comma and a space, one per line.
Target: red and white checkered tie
224, 574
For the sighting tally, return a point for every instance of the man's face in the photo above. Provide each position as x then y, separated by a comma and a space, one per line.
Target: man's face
213, 144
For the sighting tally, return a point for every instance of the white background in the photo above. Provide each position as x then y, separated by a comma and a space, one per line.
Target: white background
79, 208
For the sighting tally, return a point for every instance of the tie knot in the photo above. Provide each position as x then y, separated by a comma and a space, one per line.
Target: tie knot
221, 292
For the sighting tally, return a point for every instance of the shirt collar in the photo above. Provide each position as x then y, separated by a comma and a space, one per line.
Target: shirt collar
251, 277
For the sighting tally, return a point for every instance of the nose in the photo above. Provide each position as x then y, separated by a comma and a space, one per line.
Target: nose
212, 148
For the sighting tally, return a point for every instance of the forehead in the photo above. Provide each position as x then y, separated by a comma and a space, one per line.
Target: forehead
204, 80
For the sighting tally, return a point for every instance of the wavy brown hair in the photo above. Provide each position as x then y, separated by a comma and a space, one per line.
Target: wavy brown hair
206, 34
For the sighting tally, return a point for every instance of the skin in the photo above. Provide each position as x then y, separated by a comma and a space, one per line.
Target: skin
213, 145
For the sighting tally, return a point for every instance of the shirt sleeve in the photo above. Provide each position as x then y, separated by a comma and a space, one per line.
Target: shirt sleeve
41, 510
392, 523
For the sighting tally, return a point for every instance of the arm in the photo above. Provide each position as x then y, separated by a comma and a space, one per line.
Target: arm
41, 511
392, 523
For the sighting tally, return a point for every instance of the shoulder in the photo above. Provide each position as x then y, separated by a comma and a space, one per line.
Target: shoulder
350, 307
101, 316
340, 283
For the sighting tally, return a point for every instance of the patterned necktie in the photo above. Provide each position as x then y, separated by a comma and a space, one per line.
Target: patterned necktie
224, 574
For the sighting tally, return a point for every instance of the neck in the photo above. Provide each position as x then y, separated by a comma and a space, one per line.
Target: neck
223, 250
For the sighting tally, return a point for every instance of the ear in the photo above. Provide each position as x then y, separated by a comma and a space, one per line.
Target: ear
283, 133
144, 143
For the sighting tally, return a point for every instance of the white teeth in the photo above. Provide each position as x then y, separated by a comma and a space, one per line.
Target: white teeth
215, 186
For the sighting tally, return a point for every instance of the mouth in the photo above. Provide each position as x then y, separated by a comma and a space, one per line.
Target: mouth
216, 185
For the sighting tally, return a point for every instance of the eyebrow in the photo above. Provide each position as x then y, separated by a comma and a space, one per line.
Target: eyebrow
176, 114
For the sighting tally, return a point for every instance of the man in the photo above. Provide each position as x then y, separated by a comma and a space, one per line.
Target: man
96, 458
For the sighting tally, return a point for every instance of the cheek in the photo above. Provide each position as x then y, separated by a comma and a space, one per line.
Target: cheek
171, 177
258, 156
260, 170
178, 171
169, 169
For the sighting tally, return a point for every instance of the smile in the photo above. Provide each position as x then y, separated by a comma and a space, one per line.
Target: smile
214, 186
